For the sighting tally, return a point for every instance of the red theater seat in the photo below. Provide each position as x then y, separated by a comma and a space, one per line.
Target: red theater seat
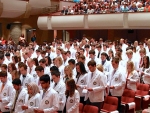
140, 95
90, 109
110, 104
127, 101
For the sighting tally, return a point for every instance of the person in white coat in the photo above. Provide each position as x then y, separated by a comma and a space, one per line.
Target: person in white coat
60, 87
106, 64
116, 81
25, 77
49, 97
146, 76
20, 96
95, 85
73, 97
6, 91
81, 80
132, 76
33, 98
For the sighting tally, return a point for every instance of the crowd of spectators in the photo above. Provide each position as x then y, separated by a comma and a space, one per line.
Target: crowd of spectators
107, 6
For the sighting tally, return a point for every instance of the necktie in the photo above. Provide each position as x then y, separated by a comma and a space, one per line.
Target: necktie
30, 70
48, 54
98, 54
55, 85
16, 97
25, 61
103, 62
44, 91
92, 75
2, 87
141, 62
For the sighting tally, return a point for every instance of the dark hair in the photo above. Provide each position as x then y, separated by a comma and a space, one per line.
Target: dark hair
42, 61
36, 61
82, 68
86, 46
24, 66
49, 61
54, 68
1, 56
56, 73
147, 64
3, 74
16, 81
71, 61
116, 60
39, 68
12, 66
92, 52
45, 78
4, 66
91, 63
70, 83
15, 59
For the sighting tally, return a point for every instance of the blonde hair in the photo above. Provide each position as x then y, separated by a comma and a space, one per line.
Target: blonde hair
131, 64
129, 52
60, 60
100, 67
70, 71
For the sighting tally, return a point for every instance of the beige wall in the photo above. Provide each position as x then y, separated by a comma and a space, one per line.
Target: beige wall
27, 24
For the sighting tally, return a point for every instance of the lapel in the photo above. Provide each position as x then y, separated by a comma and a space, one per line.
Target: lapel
115, 74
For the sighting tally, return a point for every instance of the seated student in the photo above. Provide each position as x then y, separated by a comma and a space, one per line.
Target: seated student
33, 98
73, 97
49, 97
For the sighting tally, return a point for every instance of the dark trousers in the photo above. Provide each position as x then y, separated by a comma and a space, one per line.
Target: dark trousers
59, 111
5, 112
119, 102
97, 104
82, 100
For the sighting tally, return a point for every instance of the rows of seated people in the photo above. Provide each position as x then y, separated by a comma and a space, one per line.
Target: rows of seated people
57, 77
110, 6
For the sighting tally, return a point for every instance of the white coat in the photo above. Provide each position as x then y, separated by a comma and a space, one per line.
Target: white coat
117, 80
107, 66
50, 101
81, 81
98, 83
72, 104
20, 101
60, 88
32, 103
133, 79
6, 96
27, 80
146, 76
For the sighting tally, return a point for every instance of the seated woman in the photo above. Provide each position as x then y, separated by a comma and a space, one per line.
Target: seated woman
133, 8
132, 76
140, 8
90, 10
147, 7
125, 8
